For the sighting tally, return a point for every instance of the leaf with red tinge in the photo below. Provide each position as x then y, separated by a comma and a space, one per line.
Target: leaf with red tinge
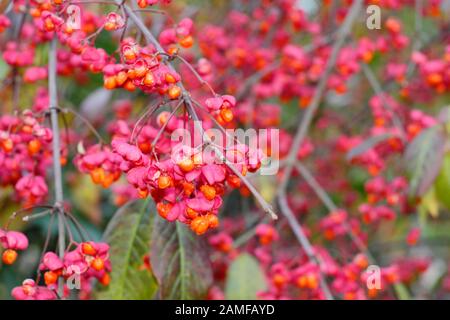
180, 261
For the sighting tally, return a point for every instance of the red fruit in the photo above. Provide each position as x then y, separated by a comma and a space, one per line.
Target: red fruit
97, 175
129, 85
49, 25
208, 191
121, 77
88, 249
191, 213
34, 146
367, 56
106, 279
164, 182
129, 53
186, 165
186, 42
174, 92
173, 50
142, 3
9, 256
199, 225
226, 115
98, 264
142, 193
302, 282
434, 79
393, 25
279, 280
110, 82
163, 209
234, 181
361, 261
109, 179
50, 277
213, 221
110, 26
170, 78
145, 147
149, 79
140, 70
188, 188
312, 281
7, 145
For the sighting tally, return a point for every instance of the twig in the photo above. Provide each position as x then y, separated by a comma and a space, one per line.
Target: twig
45, 247
36, 215
196, 74
163, 127
331, 206
20, 212
376, 86
312, 182
86, 122
145, 115
304, 242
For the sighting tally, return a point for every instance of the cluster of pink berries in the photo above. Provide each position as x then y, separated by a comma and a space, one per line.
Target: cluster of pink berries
12, 241
88, 261
383, 197
25, 153
101, 163
189, 189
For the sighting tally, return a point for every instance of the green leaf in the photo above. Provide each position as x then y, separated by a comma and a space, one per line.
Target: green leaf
128, 234
4, 68
245, 279
442, 183
430, 203
401, 291
423, 159
180, 261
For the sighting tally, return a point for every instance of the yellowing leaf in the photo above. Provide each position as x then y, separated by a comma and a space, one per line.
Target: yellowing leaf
430, 203
86, 197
